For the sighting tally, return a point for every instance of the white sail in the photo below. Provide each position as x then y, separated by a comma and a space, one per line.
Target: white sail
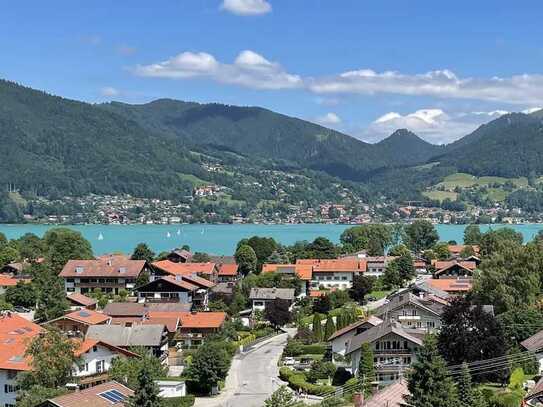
100, 236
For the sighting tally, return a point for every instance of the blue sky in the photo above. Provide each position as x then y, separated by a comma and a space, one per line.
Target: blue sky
362, 67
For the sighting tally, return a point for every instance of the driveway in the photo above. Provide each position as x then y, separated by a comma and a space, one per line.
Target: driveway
252, 377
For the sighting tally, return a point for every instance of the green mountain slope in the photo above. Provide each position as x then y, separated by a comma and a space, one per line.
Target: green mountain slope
510, 146
54, 146
404, 147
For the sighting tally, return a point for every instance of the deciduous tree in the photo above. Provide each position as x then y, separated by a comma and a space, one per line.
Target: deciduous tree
246, 259
143, 252
421, 235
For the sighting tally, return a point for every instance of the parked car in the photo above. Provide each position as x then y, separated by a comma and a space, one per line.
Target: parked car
289, 361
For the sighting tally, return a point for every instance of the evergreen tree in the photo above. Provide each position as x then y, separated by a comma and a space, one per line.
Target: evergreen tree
146, 392
340, 324
51, 299
282, 397
465, 388
329, 328
143, 252
317, 327
428, 381
246, 259
366, 369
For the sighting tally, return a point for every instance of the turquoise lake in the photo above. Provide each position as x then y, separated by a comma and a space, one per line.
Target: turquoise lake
217, 239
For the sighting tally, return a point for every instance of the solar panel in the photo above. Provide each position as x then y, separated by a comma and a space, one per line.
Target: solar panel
114, 396
84, 314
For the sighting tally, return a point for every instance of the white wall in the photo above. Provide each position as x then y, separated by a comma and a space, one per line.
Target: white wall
91, 358
331, 280
6, 398
171, 389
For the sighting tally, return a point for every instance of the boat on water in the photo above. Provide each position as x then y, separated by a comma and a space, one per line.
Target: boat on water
168, 235
100, 236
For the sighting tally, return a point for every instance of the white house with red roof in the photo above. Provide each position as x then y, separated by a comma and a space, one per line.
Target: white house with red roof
109, 273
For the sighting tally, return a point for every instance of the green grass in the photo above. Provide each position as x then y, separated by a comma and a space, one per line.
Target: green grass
441, 195
194, 180
497, 195
379, 294
464, 180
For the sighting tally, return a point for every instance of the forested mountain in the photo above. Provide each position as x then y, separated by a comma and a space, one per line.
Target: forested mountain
54, 146
404, 147
510, 146
253, 131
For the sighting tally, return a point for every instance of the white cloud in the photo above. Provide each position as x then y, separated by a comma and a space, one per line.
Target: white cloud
246, 7
328, 119
532, 110
433, 125
109, 91
518, 89
249, 70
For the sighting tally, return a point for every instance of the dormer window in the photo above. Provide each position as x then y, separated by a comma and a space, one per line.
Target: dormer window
122, 269
79, 269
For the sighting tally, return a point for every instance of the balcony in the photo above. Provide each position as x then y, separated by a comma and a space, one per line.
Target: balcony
395, 352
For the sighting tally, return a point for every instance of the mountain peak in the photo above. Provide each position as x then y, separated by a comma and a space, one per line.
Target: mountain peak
402, 136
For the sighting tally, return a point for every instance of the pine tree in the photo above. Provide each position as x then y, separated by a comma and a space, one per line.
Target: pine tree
465, 388
366, 369
340, 322
317, 327
329, 328
146, 393
428, 381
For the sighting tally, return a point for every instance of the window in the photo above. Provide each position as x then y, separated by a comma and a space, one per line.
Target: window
100, 364
10, 388
95, 348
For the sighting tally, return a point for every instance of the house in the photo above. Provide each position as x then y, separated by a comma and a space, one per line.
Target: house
413, 312
152, 337
193, 327
180, 256
15, 333
341, 338
108, 273
376, 265
207, 270
77, 323
94, 361
391, 396
103, 395
78, 301
534, 398
187, 289
5, 282
334, 273
393, 346
262, 296
228, 273
303, 271
451, 286
534, 344
454, 269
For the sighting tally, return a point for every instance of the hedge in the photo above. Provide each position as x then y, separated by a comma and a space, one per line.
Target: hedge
297, 381
187, 401
314, 349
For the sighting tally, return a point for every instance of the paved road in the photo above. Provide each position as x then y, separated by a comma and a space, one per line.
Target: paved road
252, 377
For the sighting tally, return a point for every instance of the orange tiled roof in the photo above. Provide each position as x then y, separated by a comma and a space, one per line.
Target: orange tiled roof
228, 269
171, 322
81, 299
320, 293
330, 266
303, 271
15, 333
107, 266
457, 248
439, 265
193, 319
451, 285
86, 316
88, 344
184, 268
7, 281
90, 397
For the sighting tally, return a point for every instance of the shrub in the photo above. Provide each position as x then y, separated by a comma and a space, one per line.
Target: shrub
187, 401
293, 348
314, 349
298, 381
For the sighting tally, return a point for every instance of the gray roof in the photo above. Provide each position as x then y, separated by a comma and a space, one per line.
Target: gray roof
125, 309
168, 306
372, 334
272, 293
390, 396
138, 335
370, 321
424, 286
406, 298
222, 259
534, 343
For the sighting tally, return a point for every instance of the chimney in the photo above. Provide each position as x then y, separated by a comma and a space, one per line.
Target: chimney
358, 399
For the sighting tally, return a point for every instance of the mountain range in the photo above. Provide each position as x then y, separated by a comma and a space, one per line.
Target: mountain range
54, 146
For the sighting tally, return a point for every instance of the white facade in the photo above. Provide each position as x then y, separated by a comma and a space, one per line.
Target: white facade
8, 392
95, 361
169, 389
340, 280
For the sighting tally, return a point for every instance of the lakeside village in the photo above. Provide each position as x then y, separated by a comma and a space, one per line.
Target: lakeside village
429, 324
206, 206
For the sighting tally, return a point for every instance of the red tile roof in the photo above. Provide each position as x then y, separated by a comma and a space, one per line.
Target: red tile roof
85, 316
303, 271
7, 281
339, 265
228, 270
15, 333
439, 265
193, 319
108, 266
451, 285
90, 397
184, 268
81, 299
170, 322
456, 249
88, 344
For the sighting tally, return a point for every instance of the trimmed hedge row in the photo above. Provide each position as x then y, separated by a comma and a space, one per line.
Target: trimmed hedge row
314, 349
187, 401
298, 381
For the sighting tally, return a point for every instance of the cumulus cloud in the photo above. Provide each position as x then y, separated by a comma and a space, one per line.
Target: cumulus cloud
518, 89
328, 119
249, 69
246, 7
109, 91
433, 125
